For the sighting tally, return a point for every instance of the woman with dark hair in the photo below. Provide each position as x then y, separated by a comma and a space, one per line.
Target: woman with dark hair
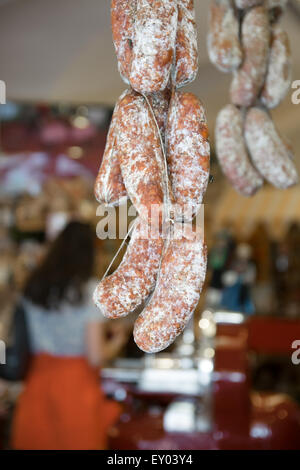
62, 406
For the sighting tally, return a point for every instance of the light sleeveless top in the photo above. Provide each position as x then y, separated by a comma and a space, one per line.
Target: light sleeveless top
61, 333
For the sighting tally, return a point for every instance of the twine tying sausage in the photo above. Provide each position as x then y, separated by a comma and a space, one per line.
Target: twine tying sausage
130, 230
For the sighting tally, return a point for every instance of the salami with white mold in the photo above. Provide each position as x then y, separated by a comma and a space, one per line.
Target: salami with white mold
188, 151
186, 60
153, 45
232, 152
176, 294
122, 20
109, 186
248, 80
279, 75
141, 156
269, 152
223, 42
159, 103
129, 286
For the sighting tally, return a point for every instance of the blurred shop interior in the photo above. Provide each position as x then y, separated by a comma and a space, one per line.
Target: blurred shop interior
229, 381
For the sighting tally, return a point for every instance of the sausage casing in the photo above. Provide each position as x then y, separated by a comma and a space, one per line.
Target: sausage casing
109, 186
159, 103
186, 60
188, 151
223, 42
279, 75
232, 152
248, 80
153, 45
130, 285
269, 152
141, 156
122, 21
176, 293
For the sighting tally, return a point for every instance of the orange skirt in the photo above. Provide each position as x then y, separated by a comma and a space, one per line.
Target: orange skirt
62, 407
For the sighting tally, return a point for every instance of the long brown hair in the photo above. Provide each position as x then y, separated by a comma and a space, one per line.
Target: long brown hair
65, 270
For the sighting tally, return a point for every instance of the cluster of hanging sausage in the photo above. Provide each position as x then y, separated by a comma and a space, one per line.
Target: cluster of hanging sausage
246, 39
157, 155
